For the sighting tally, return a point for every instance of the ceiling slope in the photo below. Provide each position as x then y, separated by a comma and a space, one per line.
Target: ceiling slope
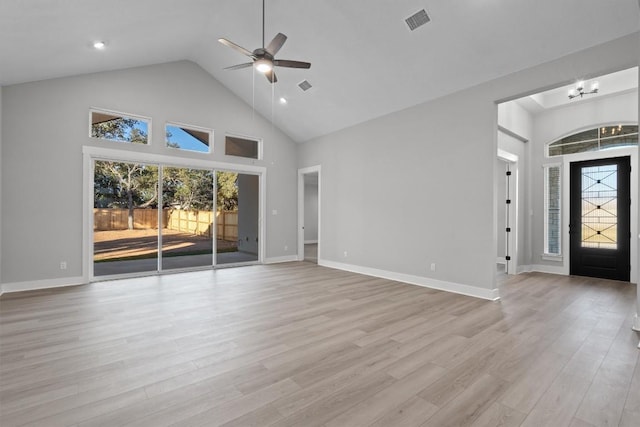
365, 61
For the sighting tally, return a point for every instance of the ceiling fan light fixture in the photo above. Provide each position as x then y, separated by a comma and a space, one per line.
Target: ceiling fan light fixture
263, 65
99, 45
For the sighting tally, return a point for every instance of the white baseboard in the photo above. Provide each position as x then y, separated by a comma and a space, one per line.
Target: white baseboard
33, 285
501, 260
458, 288
279, 259
523, 269
309, 242
636, 323
552, 269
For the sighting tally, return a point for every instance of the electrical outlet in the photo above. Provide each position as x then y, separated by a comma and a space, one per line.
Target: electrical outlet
63, 265
433, 266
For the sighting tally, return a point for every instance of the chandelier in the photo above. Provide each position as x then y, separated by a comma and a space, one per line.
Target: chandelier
578, 91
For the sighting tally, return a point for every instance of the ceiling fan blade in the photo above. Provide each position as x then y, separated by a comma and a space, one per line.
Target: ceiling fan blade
239, 66
276, 44
232, 45
271, 76
291, 64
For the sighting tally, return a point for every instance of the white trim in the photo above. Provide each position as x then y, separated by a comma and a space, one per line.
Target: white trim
506, 156
636, 323
281, 259
259, 141
310, 242
301, 172
96, 153
552, 257
552, 269
523, 269
501, 260
457, 288
511, 210
32, 285
151, 158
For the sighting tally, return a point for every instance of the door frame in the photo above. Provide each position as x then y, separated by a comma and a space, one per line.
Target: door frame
567, 159
511, 266
89, 154
623, 251
301, 173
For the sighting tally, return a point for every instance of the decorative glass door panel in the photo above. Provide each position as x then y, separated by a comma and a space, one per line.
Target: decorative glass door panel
600, 207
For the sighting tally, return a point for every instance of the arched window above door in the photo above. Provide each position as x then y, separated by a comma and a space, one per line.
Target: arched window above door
595, 139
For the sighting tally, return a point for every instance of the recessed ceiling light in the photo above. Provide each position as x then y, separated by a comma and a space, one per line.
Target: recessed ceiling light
99, 45
283, 100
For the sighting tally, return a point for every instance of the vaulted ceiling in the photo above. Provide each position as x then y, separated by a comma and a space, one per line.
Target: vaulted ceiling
365, 60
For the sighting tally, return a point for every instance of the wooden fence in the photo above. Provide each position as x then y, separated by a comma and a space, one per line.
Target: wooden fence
193, 222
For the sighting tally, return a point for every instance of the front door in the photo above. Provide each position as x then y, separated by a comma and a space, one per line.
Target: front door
599, 225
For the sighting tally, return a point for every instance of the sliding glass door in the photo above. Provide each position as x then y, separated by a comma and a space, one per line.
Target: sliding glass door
125, 210
237, 213
136, 229
187, 232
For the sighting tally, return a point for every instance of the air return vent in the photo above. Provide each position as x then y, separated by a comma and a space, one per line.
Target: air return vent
304, 85
418, 19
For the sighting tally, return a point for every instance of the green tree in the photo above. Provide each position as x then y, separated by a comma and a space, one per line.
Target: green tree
188, 189
120, 184
227, 195
120, 129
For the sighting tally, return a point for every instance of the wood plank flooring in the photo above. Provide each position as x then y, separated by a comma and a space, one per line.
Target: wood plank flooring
301, 345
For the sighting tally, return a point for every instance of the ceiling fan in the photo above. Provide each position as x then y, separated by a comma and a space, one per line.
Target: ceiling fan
263, 58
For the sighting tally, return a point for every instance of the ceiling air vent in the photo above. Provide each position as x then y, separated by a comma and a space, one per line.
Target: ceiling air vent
304, 85
418, 19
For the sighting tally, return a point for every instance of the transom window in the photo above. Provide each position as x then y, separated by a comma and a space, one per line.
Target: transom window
601, 138
119, 127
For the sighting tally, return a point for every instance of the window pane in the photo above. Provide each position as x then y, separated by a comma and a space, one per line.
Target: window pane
580, 147
125, 218
552, 210
599, 214
186, 138
241, 147
116, 127
577, 137
187, 234
619, 141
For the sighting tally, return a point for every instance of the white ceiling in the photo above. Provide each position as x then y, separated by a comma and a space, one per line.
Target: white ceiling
365, 61
609, 85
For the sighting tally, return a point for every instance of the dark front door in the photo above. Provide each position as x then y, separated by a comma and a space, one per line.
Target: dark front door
599, 227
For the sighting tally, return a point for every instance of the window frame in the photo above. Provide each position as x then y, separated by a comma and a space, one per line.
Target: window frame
125, 115
596, 140
259, 141
209, 131
546, 168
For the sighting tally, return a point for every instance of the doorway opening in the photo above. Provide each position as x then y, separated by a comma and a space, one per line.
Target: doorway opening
309, 214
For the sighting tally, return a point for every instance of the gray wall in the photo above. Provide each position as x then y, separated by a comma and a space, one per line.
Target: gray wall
432, 165
46, 125
310, 210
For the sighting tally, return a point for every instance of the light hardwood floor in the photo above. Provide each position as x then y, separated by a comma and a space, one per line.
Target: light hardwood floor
301, 345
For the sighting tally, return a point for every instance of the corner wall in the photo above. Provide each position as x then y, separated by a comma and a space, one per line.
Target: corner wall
430, 168
46, 124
